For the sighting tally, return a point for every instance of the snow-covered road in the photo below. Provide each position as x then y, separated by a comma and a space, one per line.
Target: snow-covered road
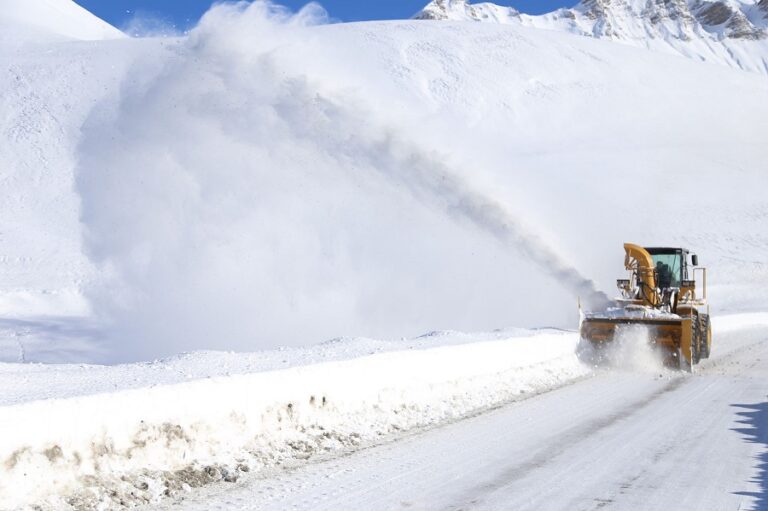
619, 440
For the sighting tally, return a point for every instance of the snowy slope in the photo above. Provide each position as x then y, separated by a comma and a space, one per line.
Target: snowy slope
514, 148
46, 97
50, 85
733, 32
52, 18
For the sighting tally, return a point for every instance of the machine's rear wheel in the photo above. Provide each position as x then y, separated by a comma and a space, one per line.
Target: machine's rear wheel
696, 340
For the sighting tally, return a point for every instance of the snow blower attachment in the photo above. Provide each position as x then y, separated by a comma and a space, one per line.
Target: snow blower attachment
659, 296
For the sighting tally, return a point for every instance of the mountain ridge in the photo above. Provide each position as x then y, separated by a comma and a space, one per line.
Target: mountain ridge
731, 32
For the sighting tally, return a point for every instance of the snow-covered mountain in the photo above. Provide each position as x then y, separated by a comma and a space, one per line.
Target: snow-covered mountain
264, 182
734, 32
57, 18
470, 132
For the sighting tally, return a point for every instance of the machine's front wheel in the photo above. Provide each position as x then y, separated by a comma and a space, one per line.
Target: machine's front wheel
706, 335
696, 340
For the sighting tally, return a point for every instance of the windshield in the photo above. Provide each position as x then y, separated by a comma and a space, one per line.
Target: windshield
668, 269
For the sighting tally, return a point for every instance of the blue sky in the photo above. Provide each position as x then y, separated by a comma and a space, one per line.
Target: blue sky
183, 14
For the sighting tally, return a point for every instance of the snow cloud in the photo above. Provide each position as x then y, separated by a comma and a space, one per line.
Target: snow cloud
234, 202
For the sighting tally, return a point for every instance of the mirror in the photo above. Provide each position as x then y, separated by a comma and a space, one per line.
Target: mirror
695, 260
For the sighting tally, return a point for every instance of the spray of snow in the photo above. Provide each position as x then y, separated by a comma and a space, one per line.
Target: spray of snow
149, 24
630, 350
633, 350
236, 204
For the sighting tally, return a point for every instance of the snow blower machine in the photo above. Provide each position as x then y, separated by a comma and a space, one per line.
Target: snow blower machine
661, 296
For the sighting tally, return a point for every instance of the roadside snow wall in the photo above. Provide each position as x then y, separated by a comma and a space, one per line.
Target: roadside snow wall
120, 449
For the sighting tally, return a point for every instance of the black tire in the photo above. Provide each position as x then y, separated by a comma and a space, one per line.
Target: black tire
704, 329
696, 337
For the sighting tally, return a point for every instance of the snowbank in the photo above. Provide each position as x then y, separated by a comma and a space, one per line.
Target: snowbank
734, 322
135, 446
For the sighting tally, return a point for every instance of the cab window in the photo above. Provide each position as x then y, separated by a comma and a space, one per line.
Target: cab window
668, 269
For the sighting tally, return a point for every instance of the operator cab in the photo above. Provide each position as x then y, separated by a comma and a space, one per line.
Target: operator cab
671, 265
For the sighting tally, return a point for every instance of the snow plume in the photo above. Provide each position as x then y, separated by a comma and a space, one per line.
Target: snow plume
234, 202
434, 183
146, 24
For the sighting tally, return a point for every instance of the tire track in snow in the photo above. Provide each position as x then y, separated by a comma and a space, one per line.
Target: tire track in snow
552, 452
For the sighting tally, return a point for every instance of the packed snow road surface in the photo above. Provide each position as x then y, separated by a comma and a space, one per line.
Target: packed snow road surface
619, 440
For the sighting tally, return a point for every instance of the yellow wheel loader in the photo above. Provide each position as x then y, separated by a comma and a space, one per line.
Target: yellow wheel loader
660, 294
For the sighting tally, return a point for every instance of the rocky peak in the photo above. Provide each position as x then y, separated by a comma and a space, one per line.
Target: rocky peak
596, 9
623, 19
726, 19
674, 14
441, 9
463, 10
632, 19
672, 10
732, 32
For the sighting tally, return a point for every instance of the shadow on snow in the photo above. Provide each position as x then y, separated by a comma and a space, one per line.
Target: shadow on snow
49, 340
754, 419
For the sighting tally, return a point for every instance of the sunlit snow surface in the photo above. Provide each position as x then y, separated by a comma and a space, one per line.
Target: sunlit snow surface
268, 182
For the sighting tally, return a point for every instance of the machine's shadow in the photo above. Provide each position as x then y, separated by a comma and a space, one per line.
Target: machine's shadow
754, 419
